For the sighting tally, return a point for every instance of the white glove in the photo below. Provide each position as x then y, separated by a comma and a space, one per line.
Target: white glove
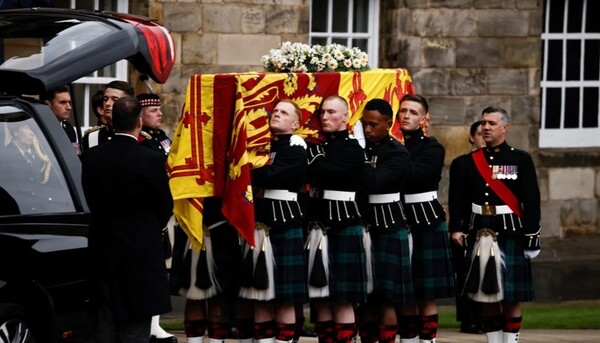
531, 254
297, 140
359, 134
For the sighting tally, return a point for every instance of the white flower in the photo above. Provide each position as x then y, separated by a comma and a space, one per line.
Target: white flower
332, 64
300, 57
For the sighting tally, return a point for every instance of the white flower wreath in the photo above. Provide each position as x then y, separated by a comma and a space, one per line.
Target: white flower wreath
304, 58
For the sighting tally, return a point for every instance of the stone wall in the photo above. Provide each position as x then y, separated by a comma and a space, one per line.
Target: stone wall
463, 55
220, 36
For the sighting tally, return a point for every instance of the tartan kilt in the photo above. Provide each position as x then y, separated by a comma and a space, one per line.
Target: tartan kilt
290, 265
432, 271
347, 260
391, 256
227, 256
517, 280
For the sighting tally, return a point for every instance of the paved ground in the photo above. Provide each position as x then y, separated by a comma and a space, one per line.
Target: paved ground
527, 336
445, 335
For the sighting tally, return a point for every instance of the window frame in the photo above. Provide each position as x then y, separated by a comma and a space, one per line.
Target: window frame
372, 34
567, 137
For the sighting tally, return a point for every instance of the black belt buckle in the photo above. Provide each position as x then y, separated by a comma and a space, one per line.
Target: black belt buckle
488, 210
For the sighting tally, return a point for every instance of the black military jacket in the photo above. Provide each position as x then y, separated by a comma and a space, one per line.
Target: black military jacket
286, 171
458, 210
104, 133
339, 170
427, 160
155, 139
516, 170
389, 164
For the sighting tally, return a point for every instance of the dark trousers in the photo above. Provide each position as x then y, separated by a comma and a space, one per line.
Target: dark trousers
110, 330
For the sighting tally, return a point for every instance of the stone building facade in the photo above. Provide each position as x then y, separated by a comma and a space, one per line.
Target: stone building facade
463, 55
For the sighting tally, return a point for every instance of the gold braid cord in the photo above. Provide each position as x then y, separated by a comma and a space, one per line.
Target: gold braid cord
44, 158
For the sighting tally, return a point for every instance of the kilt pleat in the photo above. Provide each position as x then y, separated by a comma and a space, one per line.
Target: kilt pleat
516, 276
290, 266
517, 280
227, 256
393, 279
348, 281
432, 271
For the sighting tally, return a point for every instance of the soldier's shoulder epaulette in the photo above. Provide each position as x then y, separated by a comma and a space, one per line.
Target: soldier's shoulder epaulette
145, 134
93, 128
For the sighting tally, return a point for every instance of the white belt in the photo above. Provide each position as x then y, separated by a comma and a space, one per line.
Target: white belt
490, 210
339, 195
384, 198
420, 197
280, 194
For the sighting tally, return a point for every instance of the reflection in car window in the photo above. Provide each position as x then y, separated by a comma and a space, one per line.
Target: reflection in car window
31, 181
40, 47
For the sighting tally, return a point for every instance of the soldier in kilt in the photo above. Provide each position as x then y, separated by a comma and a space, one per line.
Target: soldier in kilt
211, 282
277, 210
334, 176
151, 121
501, 191
432, 271
382, 211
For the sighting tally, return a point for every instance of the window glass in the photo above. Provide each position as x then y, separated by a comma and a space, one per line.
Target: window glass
31, 179
571, 108
352, 23
556, 10
553, 109
573, 59
340, 19
591, 66
554, 62
590, 106
574, 16
361, 16
571, 75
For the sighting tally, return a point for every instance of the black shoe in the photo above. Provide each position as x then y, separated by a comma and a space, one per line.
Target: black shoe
306, 332
470, 328
170, 339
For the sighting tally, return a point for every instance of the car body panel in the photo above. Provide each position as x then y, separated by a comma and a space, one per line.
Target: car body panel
65, 38
44, 221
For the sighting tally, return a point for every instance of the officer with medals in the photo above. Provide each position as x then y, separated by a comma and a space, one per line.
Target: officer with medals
382, 210
279, 217
335, 242
100, 134
152, 136
432, 272
502, 191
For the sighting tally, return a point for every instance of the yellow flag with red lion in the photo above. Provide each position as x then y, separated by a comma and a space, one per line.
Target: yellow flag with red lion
223, 133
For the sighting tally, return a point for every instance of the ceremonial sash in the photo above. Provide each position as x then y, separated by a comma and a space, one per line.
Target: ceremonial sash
496, 185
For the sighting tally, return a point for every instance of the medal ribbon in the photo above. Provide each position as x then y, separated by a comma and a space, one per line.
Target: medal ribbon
496, 185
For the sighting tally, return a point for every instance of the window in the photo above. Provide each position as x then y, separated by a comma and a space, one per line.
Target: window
353, 23
32, 181
571, 75
84, 88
